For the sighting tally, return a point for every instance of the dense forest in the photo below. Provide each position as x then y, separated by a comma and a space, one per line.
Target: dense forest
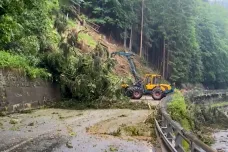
185, 40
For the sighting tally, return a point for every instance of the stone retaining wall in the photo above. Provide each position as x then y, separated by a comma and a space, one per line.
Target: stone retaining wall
208, 97
17, 92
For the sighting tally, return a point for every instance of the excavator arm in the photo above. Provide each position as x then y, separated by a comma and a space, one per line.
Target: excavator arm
129, 56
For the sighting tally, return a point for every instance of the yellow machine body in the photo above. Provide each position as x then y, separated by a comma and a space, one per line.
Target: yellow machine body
152, 81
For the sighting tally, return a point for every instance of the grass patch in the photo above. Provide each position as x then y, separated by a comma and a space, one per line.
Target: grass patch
2, 114
14, 128
71, 23
112, 148
87, 39
20, 63
13, 121
75, 105
133, 131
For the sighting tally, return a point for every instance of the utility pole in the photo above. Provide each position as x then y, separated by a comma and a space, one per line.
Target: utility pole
141, 40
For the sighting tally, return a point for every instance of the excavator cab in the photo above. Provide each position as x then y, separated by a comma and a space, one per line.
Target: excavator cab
151, 81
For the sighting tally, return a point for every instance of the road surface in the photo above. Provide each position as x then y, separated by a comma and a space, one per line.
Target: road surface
57, 130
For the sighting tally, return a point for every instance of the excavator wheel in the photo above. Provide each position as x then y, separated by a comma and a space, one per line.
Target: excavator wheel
137, 93
157, 94
128, 92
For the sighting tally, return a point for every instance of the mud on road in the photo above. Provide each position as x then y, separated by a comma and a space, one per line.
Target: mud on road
59, 130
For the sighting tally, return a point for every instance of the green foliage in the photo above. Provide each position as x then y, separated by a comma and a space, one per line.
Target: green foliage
199, 119
101, 104
88, 39
178, 111
10, 61
211, 116
111, 12
34, 34
185, 114
86, 77
195, 34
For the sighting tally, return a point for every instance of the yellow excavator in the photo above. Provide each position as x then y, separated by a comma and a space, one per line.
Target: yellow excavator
151, 84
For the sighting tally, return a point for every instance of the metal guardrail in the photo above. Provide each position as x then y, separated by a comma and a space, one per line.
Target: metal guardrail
174, 136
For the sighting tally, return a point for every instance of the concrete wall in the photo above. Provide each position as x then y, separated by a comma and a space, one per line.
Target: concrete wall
17, 92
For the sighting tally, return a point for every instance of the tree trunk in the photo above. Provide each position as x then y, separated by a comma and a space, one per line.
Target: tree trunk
167, 64
125, 37
164, 58
147, 55
130, 43
141, 40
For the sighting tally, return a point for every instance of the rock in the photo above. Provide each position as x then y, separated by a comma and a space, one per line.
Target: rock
69, 144
220, 150
31, 124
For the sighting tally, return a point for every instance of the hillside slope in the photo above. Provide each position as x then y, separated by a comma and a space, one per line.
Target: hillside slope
56, 45
122, 67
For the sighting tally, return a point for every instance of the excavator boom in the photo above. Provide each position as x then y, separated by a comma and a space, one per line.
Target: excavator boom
129, 56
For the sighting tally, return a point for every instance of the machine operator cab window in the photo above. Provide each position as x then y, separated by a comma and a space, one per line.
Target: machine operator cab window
151, 81
156, 79
148, 80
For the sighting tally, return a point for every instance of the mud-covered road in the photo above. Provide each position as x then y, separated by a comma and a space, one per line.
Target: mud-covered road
221, 136
56, 130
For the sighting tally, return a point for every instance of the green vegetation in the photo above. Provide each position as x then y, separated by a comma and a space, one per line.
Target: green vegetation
13, 121
194, 33
41, 39
101, 104
179, 112
113, 148
88, 39
200, 119
20, 63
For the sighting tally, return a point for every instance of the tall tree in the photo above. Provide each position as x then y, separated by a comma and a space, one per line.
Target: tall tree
141, 39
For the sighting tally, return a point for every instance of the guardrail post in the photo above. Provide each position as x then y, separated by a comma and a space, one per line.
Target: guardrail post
194, 148
178, 143
169, 131
164, 122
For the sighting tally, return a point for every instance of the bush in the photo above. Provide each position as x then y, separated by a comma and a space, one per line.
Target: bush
10, 61
178, 110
